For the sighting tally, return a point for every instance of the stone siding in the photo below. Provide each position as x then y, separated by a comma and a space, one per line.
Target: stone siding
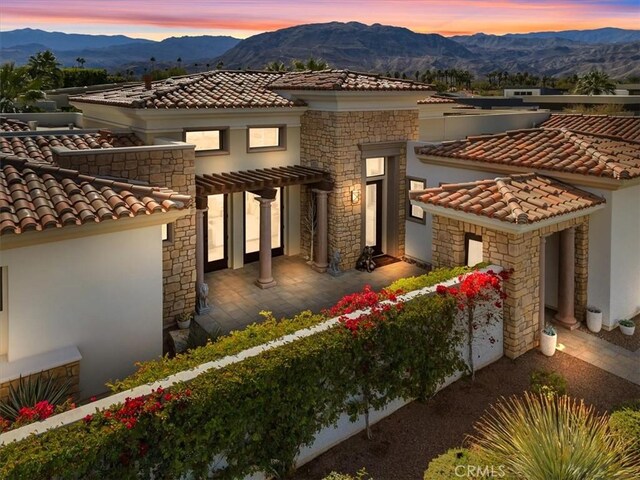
330, 141
69, 370
173, 168
522, 253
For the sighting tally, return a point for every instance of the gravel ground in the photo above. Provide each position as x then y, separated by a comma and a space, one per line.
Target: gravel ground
406, 441
615, 336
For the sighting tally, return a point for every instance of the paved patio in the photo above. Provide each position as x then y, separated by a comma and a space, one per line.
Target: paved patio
235, 300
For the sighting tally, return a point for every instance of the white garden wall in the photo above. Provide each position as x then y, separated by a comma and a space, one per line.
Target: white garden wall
101, 294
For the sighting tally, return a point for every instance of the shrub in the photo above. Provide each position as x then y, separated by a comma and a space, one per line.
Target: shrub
625, 423
360, 475
432, 278
540, 437
548, 383
34, 390
451, 464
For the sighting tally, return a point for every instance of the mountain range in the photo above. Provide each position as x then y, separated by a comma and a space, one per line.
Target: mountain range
353, 45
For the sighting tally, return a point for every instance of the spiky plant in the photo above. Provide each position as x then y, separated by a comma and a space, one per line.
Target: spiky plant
33, 389
540, 437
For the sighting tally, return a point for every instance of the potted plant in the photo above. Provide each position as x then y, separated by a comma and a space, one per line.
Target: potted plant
184, 320
594, 319
627, 327
548, 341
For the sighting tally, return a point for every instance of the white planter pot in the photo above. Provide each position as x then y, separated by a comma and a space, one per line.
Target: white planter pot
548, 344
627, 330
184, 325
594, 321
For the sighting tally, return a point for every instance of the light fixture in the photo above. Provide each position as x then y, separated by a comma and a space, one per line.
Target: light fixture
355, 196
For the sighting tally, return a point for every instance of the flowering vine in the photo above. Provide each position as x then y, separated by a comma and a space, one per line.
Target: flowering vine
38, 412
475, 288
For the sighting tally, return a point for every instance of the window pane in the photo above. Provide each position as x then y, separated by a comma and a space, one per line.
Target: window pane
474, 252
372, 211
264, 137
375, 166
205, 140
416, 212
252, 222
215, 227
165, 232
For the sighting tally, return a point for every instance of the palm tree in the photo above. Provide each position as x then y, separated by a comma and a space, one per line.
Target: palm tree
81, 61
153, 63
595, 82
312, 64
44, 68
276, 67
179, 60
16, 86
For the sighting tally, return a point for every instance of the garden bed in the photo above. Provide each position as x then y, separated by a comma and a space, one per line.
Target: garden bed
406, 441
615, 336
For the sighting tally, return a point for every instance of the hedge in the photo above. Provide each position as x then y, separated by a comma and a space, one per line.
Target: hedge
256, 413
626, 423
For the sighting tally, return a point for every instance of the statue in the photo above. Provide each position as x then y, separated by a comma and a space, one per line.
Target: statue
365, 260
203, 300
334, 264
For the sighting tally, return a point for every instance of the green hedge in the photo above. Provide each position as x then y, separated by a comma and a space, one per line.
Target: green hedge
626, 423
256, 413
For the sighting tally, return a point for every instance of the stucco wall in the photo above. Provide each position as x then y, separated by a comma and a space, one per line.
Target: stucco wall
330, 141
101, 293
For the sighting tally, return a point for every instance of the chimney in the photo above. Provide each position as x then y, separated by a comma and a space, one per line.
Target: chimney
33, 125
147, 81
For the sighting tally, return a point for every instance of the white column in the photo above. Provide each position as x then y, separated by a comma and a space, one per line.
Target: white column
566, 279
321, 262
541, 283
202, 288
265, 278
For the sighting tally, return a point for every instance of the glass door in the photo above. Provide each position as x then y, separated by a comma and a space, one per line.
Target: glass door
252, 226
215, 233
373, 228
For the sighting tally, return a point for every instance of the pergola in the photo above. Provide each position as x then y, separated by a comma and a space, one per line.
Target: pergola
263, 183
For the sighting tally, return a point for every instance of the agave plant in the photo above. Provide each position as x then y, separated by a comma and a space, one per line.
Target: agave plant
540, 437
31, 390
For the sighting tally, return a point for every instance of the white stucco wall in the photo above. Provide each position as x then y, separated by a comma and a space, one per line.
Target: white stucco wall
454, 127
101, 293
625, 253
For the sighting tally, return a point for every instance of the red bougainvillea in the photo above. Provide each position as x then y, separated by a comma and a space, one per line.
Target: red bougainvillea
369, 300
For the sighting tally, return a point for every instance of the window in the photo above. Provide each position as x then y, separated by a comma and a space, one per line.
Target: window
472, 249
415, 214
167, 233
266, 138
4, 317
213, 141
374, 166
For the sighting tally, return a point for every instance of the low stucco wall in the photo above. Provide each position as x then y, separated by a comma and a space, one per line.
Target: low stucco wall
102, 294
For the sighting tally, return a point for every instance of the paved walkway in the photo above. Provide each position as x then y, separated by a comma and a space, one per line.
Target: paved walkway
235, 300
600, 353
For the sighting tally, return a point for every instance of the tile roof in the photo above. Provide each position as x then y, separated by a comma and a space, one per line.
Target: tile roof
215, 89
435, 100
520, 199
617, 126
547, 149
38, 147
37, 196
12, 125
344, 80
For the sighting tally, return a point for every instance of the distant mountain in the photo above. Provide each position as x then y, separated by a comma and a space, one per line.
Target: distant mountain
62, 41
599, 35
352, 45
493, 42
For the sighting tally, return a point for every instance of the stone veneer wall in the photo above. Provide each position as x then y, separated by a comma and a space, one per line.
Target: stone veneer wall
69, 370
169, 167
330, 141
522, 253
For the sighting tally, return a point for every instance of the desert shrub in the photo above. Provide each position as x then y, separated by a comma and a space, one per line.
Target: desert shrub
626, 424
540, 437
544, 382
455, 462
32, 390
359, 475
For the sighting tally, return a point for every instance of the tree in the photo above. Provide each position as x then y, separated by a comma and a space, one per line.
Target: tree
312, 64
153, 63
179, 60
44, 68
16, 86
81, 61
595, 82
276, 67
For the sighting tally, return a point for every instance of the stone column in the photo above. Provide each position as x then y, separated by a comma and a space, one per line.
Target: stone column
320, 263
202, 288
566, 280
541, 283
265, 278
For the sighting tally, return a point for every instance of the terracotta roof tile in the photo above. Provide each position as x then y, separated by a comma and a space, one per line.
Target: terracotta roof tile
12, 125
37, 147
627, 128
519, 199
344, 80
38, 196
547, 149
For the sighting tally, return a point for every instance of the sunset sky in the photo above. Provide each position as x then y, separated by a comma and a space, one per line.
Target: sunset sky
242, 18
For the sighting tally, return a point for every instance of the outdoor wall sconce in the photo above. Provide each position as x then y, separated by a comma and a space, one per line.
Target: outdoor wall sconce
355, 196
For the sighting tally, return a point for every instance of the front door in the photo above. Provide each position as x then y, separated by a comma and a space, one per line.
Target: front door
252, 227
373, 229
215, 233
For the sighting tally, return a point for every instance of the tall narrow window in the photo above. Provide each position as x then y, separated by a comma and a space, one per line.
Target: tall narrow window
4, 317
415, 214
472, 249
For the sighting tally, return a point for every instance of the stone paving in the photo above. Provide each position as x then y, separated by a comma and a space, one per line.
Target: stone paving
600, 353
236, 301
